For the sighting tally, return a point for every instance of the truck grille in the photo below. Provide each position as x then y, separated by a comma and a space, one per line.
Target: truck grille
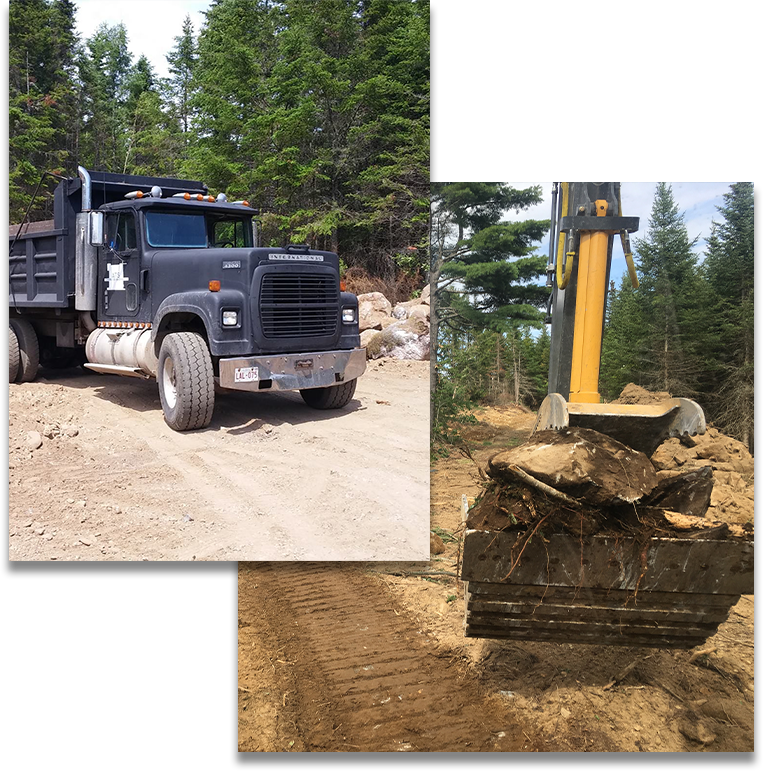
298, 305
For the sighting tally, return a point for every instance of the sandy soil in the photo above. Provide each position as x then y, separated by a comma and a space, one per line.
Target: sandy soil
324, 652
270, 479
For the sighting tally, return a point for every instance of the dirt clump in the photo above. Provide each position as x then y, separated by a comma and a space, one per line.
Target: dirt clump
581, 462
583, 482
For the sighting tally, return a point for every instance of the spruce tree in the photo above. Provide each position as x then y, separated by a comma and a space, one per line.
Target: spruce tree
729, 266
182, 61
672, 301
41, 55
625, 339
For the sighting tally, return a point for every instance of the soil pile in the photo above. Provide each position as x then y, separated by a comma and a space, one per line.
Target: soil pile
733, 470
732, 466
634, 394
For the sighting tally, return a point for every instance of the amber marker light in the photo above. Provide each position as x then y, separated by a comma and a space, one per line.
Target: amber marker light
342, 285
214, 286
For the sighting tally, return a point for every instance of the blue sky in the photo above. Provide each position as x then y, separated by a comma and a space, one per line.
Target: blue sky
697, 202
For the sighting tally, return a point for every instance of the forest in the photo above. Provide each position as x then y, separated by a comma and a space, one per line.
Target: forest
687, 329
315, 111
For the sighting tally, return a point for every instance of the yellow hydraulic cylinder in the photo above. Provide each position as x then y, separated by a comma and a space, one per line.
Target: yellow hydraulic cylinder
589, 313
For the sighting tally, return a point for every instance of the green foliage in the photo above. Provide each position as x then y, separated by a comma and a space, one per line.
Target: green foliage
487, 300
688, 328
41, 92
317, 111
729, 267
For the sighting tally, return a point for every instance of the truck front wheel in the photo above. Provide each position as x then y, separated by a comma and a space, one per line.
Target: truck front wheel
330, 398
186, 381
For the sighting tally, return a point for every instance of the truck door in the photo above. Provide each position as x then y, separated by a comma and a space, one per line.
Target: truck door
120, 267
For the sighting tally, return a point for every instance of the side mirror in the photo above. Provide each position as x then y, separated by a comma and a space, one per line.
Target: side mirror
96, 231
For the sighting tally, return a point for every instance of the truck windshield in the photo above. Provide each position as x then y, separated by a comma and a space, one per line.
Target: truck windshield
183, 230
196, 231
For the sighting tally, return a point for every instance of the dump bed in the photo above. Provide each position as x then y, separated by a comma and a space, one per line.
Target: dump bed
41, 263
42, 255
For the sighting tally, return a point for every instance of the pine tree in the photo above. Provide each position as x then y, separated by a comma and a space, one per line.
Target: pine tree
41, 99
672, 301
729, 267
182, 61
482, 272
486, 266
625, 338
105, 69
233, 125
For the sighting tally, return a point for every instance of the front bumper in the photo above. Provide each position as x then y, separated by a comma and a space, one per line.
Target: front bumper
289, 372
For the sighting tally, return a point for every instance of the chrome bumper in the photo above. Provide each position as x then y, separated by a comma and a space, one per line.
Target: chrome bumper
288, 372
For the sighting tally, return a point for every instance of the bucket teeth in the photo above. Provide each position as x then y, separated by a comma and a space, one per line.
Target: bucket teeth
640, 426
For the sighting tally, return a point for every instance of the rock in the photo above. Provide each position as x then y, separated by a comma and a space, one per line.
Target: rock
365, 339
33, 440
388, 322
71, 431
582, 463
696, 729
372, 308
419, 312
40, 531
413, 350
399, 312
687, 493
51, 430
86, 541
397, 336
436, 545
426, 294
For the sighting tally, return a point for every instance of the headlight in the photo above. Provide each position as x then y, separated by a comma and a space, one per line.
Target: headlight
348, 315
230, 318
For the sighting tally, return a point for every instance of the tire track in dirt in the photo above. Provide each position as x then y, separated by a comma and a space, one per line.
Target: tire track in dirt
360, 675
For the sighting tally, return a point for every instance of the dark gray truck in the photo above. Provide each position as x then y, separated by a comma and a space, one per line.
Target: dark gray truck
154, 277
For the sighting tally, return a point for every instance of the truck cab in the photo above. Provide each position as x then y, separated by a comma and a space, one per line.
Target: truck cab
147, 272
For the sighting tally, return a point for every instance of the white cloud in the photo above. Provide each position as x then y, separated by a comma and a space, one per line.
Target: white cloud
151, 25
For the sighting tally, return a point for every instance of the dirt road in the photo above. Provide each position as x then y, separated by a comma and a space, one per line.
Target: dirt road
328, 663
270, 479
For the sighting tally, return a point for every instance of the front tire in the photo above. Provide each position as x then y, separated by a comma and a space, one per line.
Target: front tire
331, 397
186, 381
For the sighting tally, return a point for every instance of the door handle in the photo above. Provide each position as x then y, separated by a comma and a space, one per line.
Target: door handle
144, 279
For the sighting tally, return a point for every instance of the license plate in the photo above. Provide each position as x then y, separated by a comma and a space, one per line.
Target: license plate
245, 374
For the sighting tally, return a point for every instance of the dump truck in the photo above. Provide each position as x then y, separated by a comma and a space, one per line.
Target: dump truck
154, 277
627, 561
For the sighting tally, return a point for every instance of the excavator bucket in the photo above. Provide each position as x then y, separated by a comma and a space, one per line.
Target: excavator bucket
663, 592
616, 587
641, 426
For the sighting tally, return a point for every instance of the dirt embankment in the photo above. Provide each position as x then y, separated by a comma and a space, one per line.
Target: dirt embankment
96, 474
